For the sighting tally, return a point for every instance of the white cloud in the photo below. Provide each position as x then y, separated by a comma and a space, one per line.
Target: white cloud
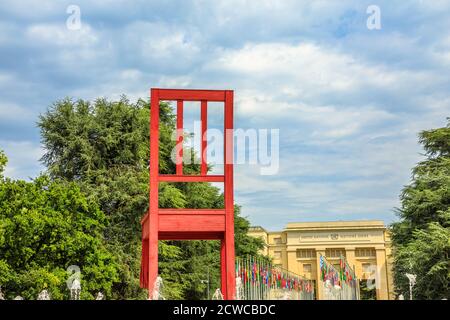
60, 35
23, 159
158, 42
8, 33
13, 112
307, 70
32, 9
325, 121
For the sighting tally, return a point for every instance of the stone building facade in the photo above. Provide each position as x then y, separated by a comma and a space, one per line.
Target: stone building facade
365, 244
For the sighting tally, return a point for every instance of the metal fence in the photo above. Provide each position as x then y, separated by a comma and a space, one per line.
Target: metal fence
258, 279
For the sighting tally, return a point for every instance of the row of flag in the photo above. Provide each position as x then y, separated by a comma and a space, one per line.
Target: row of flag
336, 277
347, 274
257, 272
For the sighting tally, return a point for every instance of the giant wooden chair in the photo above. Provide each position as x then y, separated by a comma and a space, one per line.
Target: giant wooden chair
190, 224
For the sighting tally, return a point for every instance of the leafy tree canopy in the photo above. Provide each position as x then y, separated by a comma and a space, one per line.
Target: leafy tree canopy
422, 236
46, 226
3, 162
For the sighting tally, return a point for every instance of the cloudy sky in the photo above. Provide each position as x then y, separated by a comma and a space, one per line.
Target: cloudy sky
348, 101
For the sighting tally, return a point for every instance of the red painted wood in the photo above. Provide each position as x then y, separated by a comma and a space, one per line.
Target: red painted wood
192, 211
189, 178
144, 219
153, 202
191, 95
145, 227
179, 151
204, 119
229, 201
144, 264
223, 269
190, 235
184, 214
190, 224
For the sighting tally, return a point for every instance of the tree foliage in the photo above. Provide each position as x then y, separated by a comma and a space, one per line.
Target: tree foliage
46, 226
422, 237
3, 162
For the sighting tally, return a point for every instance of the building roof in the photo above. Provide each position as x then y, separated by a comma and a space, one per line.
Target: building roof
257, 228
355, 224
325, 225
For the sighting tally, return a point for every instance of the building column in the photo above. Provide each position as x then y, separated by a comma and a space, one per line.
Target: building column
381, 277
350, 257
319, 287
291, 262
389, 265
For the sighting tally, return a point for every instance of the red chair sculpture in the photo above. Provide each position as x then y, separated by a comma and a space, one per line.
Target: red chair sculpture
190, 224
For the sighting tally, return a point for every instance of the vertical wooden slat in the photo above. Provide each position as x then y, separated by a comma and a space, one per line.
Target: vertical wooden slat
153, 210
179, 150
227, 237
223, 269
204, 119
229, 199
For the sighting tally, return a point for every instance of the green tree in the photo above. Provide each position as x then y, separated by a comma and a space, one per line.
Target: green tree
422, 236
3, 162
46, 226
104, 146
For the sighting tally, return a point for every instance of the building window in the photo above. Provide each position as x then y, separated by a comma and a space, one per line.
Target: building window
335, 252
306, 253
365, 252
307, 267
277, 240
277, 254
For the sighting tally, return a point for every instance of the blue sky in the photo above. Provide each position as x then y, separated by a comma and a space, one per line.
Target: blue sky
348, 101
